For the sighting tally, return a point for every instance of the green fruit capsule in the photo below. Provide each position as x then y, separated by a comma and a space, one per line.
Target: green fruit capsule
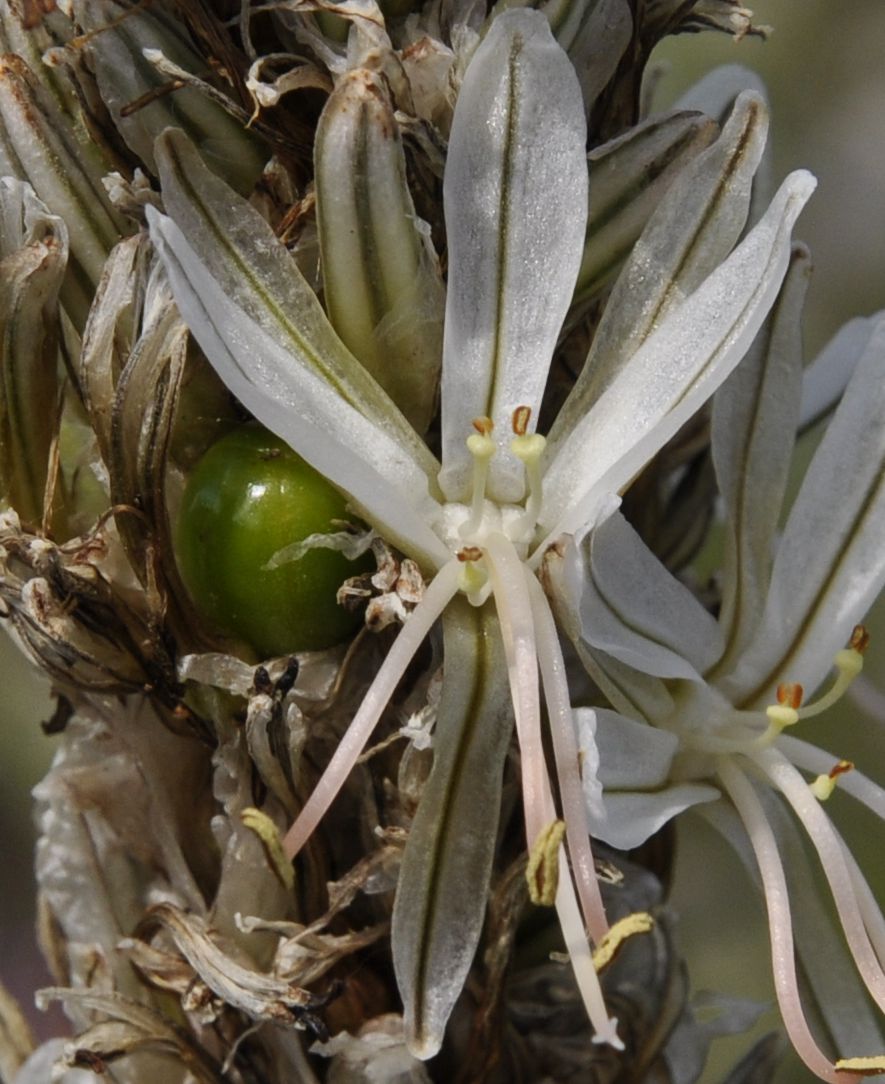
247, 498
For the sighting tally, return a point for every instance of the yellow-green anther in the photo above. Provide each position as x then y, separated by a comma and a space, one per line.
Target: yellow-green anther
383, 288
33, 254
37, 145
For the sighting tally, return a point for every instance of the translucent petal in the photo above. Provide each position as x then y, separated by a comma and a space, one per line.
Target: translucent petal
716, 92
830, 563
833, 981
675, 370
443, 881
635, 610
827, 376
633, 693
595, 34
632, 755
516, 203
693, 229
629, 177
634, 766
754, 422
632, 817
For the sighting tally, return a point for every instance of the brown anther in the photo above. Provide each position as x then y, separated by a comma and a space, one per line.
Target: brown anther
840, 768
521, 417
860, 639
790, 694
469, 553
483, 425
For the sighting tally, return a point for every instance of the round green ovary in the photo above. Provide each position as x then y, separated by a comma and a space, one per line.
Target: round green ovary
249, 497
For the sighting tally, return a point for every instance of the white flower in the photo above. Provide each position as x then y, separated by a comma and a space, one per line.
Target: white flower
478, 523
721, 694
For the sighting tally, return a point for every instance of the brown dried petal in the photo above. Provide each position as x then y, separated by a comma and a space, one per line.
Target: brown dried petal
261, 996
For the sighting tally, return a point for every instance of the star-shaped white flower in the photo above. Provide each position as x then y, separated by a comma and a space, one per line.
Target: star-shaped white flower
478, 523
725, 695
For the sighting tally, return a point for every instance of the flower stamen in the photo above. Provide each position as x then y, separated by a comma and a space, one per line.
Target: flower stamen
865, 1066
542, 871
482, 448
628, 926
528, 449
849, 663
824, 785
788, 710
473, 581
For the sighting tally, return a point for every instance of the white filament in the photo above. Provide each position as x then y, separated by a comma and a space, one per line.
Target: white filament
565, 750
437, 596
830, 850
777, 902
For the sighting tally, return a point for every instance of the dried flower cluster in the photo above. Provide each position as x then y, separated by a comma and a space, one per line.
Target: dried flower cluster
432, 266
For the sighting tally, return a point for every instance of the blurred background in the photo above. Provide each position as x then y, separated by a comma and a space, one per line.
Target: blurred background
823, 66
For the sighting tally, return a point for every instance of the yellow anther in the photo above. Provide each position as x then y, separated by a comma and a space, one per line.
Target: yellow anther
542, 871
263, 827
824, 785
607, 949
865, 1066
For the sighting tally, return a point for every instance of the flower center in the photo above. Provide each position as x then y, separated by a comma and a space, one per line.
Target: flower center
745, 735
468, 527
